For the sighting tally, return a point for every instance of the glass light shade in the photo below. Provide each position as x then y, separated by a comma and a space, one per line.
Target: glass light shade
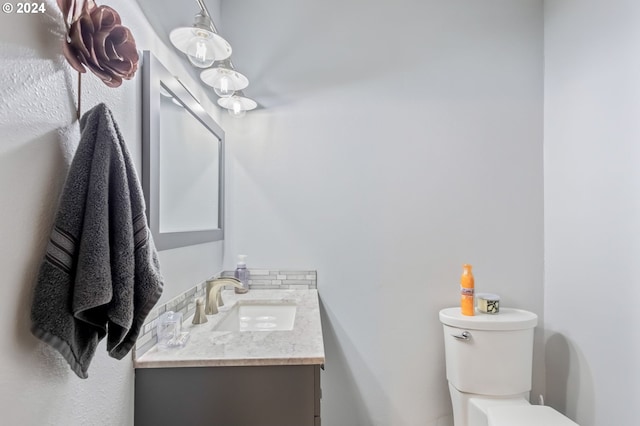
200, 50
223, 87
225, 81
201, 46
237, 111
237, 105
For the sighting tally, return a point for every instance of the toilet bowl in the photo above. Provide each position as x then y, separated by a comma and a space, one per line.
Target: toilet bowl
489, 362
531, 415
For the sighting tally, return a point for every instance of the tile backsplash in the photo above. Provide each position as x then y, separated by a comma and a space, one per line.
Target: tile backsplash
268, 279
185, 302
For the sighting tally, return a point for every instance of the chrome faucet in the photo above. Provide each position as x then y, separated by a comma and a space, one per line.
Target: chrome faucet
213, 299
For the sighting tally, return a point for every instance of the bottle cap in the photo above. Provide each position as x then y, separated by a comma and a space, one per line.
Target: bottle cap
466, 280
242, 259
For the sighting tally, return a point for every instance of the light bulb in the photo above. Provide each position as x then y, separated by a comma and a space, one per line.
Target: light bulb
200, 50
236, 110
223, 86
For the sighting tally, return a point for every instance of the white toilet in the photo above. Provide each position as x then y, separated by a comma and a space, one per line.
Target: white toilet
489, 360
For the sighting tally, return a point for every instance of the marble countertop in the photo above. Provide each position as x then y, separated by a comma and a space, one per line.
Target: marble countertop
210, 348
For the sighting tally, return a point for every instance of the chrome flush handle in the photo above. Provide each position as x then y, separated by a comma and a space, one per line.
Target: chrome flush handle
464, 336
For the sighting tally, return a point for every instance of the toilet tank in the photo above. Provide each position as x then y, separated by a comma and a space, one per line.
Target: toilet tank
489, 354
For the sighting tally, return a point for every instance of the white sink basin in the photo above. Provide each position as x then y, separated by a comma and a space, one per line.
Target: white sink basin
259, 316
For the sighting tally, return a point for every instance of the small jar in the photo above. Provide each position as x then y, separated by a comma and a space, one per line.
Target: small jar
169, 330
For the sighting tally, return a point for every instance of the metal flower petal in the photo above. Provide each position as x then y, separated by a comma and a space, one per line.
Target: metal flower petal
97, 40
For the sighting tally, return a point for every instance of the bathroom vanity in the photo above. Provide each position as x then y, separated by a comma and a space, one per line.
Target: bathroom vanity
239, 370
255, 363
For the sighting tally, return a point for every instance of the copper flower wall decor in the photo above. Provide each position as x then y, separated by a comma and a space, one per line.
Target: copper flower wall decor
97, 40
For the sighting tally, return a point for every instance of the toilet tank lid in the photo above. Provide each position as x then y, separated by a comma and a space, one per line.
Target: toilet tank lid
507, 319
526, 415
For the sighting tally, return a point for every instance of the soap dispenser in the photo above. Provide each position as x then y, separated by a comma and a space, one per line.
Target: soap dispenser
242, 274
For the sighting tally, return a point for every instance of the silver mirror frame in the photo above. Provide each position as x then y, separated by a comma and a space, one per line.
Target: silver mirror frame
153, 74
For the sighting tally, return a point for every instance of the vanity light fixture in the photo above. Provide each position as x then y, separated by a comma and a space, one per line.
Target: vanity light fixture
224, 79
238, 104
201, 45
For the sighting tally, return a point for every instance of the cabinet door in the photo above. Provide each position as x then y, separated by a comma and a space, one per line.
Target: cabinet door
227, 396
317, 394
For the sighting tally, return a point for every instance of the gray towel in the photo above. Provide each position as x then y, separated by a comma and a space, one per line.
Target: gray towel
100, 275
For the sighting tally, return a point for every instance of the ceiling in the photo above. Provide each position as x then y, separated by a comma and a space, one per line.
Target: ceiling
165, 15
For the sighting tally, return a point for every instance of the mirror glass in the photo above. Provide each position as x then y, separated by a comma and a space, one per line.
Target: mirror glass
183, 169
188, 170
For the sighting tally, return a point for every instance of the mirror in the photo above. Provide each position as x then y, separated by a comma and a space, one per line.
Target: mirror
183, 162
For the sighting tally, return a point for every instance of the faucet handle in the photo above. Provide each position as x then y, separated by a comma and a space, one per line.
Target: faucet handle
199, 317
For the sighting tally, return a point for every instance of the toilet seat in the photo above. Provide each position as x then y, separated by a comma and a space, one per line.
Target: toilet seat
527, 415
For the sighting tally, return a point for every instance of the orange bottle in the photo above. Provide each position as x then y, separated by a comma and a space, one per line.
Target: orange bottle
466, 291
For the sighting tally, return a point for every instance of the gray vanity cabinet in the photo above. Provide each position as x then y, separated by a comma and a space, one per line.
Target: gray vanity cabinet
228, 396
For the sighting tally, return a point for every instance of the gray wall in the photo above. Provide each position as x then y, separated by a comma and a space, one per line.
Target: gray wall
592, 209
39, 135
401, 140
